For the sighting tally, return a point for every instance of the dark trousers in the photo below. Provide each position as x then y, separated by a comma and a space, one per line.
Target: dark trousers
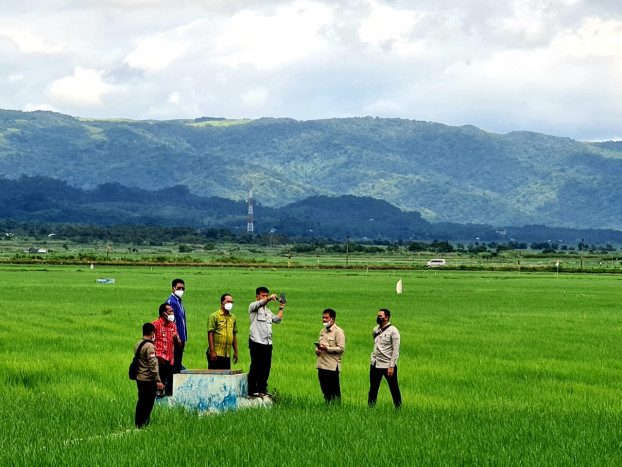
329, 384
144, 406
179, 355
261, 361
166, 375
375, 377
222, 363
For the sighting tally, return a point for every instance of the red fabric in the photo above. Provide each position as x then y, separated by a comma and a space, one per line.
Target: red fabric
164, 343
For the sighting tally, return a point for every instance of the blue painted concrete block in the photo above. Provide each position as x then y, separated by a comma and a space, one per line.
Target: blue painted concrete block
210, 390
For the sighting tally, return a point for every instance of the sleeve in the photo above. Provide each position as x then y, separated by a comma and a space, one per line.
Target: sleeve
395, 339
340, 343
212, 323
275, 319
255, 306
235, 326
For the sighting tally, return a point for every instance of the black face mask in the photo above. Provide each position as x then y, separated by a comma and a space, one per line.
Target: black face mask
379, 320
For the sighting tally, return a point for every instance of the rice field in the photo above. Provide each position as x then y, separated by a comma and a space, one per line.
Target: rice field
496, 368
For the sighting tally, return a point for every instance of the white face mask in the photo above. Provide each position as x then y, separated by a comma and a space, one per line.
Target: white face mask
327, 325
228, 306
179, 293
171, 318
153, 338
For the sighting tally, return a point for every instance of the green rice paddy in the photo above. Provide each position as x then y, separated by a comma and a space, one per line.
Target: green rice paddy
496, 368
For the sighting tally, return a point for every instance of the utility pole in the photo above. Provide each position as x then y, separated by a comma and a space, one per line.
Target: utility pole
108, 244
347, 249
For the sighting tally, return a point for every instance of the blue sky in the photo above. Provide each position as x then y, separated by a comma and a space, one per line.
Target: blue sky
550, 66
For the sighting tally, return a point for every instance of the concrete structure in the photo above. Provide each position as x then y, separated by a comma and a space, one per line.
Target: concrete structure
213, 390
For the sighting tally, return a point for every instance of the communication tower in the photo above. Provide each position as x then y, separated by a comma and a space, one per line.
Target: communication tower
249, 225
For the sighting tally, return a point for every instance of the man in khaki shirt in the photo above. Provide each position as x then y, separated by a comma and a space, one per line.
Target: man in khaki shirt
148, 379
383, 361
329, 349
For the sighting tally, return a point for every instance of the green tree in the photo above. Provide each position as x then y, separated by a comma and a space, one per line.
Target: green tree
183, 248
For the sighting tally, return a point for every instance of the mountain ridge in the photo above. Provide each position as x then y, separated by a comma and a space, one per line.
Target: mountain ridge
448, 174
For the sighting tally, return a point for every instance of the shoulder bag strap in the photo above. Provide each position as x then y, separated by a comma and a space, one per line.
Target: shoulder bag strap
140, 347
376, 334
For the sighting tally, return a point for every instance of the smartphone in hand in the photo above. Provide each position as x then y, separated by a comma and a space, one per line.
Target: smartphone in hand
282, 299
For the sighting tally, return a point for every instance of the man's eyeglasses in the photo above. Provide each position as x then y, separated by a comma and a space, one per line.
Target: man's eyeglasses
180, 288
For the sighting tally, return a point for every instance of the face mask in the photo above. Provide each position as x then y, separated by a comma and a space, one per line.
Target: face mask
171, 318
228, 306
327, 325
153, 338
379, 320
179, 293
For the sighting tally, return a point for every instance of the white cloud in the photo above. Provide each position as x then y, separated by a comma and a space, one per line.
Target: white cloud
269, 40
255, 97
30, 43
384, 107
596, 37
15, 78
551, 66
84, 88
385, 24
156, 53
174, 98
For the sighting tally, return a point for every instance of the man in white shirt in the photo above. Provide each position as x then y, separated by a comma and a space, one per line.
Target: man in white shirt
260, 341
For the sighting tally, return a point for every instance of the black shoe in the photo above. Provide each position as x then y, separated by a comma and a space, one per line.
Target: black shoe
256, 394
267, 394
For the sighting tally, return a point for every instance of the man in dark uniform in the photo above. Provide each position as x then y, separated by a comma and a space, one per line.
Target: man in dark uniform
148, 378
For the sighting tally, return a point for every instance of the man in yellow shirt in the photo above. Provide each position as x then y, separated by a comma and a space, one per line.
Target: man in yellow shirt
222, 335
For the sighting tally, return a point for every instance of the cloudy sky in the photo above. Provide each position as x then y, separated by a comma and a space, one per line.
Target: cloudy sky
551, 66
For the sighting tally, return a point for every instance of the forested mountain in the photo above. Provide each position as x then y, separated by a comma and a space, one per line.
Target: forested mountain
54, 206
449, 174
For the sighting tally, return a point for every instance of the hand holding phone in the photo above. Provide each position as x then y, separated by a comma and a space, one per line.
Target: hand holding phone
282, 299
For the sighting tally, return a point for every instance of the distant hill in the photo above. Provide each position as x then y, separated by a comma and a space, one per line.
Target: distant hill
53, 201
49, 201
448, 174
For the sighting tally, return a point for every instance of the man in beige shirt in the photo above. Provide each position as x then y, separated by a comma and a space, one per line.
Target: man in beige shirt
329, 349
383, 361
148, 379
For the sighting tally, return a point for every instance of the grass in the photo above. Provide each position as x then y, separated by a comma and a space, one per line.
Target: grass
495, 369
230, 254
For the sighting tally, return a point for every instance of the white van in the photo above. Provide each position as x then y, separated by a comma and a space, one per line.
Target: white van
436, 263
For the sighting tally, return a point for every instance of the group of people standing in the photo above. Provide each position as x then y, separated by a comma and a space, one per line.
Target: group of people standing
160, 351
222, 338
